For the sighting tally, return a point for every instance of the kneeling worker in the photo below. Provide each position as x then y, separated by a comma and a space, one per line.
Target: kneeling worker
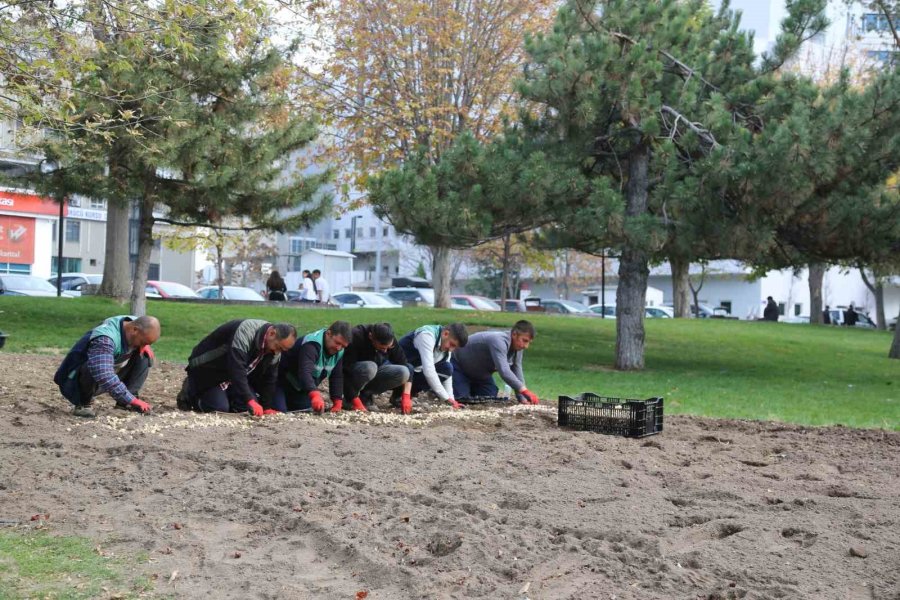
428, 351
373, 363
308, 364
490, 352
114, 357
235, 368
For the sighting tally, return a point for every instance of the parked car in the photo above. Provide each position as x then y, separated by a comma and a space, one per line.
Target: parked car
28, 285
474, 302
567, 307
892, 324
705, 312
513, 305
608, 310
862, 320
658, 312
231, 292
169, 289
410, 295
72, 282
364, 300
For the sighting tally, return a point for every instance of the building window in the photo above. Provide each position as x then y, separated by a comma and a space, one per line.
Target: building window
360, 233
384, 232
98, 204
726, 304
798, 309
11, 268
347, 234
337, 234
70, 265
781, 308
372, 232
874, 22
73, 231
74, 202
883, 56
93, 262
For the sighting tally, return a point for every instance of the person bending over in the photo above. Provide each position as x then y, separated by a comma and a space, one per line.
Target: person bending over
305, 366
114, 358
374, 363
490, 352
235, 368
428, 351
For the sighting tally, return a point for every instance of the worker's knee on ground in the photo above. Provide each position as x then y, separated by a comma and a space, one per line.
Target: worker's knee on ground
366, 370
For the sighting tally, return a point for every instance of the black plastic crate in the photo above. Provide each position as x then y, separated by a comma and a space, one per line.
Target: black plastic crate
614, 416
485, 400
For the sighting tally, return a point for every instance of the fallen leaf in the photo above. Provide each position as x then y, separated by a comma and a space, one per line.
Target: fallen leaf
362, 595
177, 525
236, 555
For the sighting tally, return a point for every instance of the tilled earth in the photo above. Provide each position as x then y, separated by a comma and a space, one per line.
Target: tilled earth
483, 503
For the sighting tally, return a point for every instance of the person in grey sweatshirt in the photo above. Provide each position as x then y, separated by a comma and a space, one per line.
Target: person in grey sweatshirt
493, 351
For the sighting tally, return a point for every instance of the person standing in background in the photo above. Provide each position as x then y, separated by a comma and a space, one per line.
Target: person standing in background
321, 287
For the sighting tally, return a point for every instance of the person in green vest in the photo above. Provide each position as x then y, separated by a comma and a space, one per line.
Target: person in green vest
307, 364
115, 358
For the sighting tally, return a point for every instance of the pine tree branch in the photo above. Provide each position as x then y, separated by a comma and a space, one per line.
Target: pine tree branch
247, 228
704, 133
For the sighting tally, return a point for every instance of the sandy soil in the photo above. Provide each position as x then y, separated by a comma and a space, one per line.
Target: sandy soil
494, 503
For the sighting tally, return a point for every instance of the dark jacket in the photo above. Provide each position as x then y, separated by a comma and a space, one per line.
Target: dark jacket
299, 369
234, 353
361, 349
770, 313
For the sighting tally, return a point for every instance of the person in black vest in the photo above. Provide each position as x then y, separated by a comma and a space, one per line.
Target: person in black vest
307, 364
770, 313
235, 368
826, 315
850, 316
114, 357
373, 363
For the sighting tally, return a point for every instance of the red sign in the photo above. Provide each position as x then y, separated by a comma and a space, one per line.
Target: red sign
16, 240
27, 203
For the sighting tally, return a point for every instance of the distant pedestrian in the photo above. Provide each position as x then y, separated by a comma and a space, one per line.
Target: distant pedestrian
850, 316
770, 313
321, 286
826, 315
308, 288
276, 289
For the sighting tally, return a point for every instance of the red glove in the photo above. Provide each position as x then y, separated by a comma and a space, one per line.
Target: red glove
140, 405
405, 404
357, 404
337, 405
270, 411
454, 404
530, 396
148, 352
318, 405
254, 407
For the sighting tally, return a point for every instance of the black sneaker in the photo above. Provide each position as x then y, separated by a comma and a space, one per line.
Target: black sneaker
85, 411
183, 399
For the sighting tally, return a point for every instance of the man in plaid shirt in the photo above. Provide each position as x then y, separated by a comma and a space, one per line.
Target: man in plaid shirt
114, 358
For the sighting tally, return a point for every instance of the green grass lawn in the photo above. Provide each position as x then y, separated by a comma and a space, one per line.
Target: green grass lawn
36, 564
733, 369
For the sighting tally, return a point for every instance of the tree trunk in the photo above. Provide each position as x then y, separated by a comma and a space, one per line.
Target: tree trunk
631, 293
877, 288
142, 266
504, 283
816, 277
220, 266
116, 266
681, 299
440, 274
895, 346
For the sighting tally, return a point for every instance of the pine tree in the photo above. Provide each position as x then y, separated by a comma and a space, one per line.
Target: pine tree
675, 127
206, 132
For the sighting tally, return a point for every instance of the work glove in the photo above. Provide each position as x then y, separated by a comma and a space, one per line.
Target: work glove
148, 352
337, 405
315, 398
140, 405
270, 411
454, 404
405, 404
357, 404
254, 407
530, 396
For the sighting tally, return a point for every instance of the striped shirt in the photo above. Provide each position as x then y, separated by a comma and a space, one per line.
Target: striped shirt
101, 352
